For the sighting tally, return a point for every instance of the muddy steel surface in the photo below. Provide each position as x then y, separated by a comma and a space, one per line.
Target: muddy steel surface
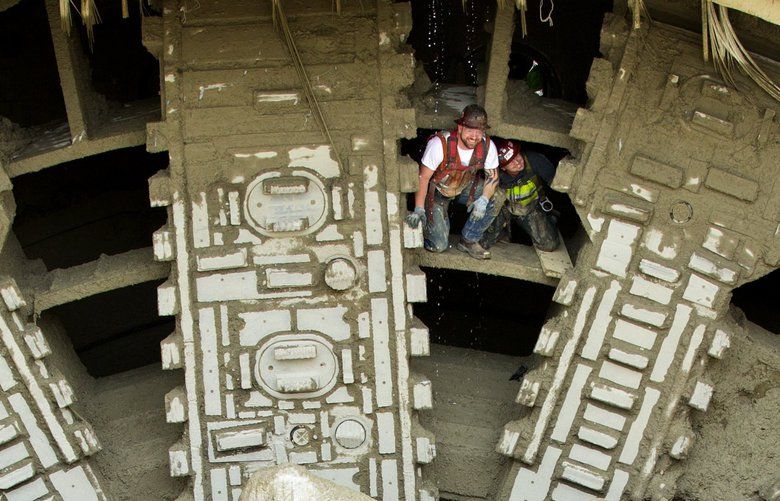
285, 275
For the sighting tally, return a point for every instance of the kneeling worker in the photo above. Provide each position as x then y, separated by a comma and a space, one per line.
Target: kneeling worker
449, 171
521, 185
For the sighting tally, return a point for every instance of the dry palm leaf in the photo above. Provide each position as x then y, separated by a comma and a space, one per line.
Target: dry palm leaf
728, 52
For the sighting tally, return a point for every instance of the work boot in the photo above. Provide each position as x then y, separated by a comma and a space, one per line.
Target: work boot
473, 249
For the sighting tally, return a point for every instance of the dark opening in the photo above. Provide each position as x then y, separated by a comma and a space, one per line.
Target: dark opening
450, 38
484, 312
72, 213
482, 330
555, 59
122, 69
116, 331
30, 85
758, 300
541, 77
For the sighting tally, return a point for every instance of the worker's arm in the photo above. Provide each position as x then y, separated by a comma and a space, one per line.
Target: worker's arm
414, 218
542, 166
478, 208
491, 171
425, 177
491, 183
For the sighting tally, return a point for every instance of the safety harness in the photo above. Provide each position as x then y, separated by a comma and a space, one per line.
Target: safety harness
451, 176
526, 189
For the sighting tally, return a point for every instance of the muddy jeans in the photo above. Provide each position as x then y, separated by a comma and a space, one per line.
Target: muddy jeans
538, 224
437, 229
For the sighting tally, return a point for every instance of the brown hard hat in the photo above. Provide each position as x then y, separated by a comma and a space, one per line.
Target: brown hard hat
507, 151
474, 116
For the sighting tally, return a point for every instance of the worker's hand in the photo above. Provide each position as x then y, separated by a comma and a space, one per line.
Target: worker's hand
413, 219
478, 208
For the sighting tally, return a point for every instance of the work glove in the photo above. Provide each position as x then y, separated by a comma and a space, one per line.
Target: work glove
413, 219
478, 208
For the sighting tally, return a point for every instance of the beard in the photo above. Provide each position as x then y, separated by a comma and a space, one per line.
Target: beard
470, 143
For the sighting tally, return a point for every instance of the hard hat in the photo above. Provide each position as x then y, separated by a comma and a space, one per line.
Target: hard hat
473, 116
507, 152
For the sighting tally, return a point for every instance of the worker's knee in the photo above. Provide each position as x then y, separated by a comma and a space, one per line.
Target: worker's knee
548, 246
437, 246
548, 243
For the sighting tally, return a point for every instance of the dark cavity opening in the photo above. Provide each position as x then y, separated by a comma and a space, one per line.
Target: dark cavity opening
30, 84
482, 330
758, 300
484, 312
72, 213
115, 331
451, 38
555, 58
122, 69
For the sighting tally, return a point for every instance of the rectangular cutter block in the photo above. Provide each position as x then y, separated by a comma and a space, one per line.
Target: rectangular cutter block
595, 437
416, 290
632, 359
701, 291
545, 344
275, 278
582, 476
419, 339
702, 394
661, 173
178, 458
651, 290
12, 296
297, 384
612, 396
167, 300
295, 352
720, 342
634, 334
610, 419
246, 438
620, 375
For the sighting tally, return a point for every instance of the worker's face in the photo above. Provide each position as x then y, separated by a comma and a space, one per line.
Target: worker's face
515, 166
470, 137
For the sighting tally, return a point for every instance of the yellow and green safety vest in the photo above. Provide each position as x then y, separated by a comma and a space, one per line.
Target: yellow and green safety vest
526, 189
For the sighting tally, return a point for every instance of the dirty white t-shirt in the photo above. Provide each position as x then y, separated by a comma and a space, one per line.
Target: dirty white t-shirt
434, 154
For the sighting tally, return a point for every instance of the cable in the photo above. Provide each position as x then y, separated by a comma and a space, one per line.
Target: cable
548, 17
281, 18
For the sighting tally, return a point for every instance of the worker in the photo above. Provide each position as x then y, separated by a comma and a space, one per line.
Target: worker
449, 171
521, 197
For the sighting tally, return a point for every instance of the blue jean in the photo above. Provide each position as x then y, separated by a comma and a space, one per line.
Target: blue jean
437, 229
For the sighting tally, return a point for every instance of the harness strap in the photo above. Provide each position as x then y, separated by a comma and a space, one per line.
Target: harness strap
478, 161
451, 162
528, 177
